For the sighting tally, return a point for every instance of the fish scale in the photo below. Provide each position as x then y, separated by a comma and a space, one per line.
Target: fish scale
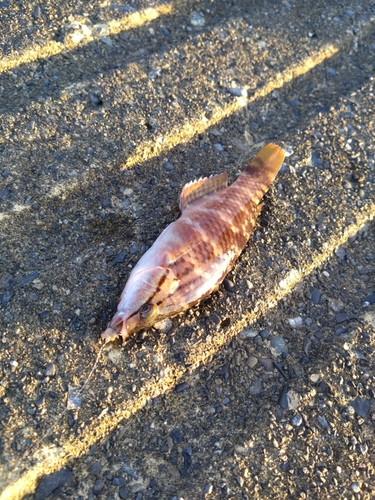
193, 255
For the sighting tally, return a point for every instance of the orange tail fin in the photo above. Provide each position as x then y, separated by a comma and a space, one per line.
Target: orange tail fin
266, 163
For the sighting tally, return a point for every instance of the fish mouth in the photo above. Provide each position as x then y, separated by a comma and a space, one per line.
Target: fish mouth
117, 327
121, 326
109, 334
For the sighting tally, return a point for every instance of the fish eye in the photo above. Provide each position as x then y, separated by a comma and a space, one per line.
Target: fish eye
147, 310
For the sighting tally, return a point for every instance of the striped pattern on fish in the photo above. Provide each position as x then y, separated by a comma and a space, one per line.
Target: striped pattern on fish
193, 255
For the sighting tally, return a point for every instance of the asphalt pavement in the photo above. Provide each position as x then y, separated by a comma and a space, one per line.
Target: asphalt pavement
264, 390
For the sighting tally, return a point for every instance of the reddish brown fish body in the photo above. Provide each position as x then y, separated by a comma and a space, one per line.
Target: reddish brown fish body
195, 253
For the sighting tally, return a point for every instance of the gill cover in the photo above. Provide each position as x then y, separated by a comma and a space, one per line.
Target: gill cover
141, 301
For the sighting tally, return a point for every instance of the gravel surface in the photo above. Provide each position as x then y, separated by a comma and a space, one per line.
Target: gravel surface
267, 388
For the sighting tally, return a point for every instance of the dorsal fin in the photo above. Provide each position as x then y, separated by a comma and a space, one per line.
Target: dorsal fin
197, 189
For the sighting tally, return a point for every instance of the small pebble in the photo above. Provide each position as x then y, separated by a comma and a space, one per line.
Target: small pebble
50, 371
154, 74
258, 340
315, 296
361, 406
356, 487
252, 361
37, 12
288, 151
342, 317
123, 492
295, 322
278, 346
347, 184
331, 71
164, 325
168, 166
208, 489
283, 401
363, 448
240, 481
215, 319
323, 385
39, 401
350, 410
289, 279
107, 41
119, 258
336, 305
134, 249
197, 20
248, 334
238, 92
138, 487
176, 436
182, 387
74, 398
294, 103
341, 253
323, 422
229, 285
95, 99
219, 147
297, 420
267, 364
307, 346
95, 468
25, 280
118, 481
240, 145
165, 31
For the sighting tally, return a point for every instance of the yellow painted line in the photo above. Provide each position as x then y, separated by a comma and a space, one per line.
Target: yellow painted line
52, 458
113, 27
183, 134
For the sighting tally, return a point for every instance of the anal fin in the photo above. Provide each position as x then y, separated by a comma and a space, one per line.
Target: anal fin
197, 189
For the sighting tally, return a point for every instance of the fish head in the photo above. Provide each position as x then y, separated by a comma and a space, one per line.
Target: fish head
142, 301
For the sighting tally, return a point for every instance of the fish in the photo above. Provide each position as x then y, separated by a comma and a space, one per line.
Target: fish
192, 256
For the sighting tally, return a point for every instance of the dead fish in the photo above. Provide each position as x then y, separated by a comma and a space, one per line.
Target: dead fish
193, 255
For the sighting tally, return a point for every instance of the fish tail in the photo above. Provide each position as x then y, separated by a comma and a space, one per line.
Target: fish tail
265, 165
